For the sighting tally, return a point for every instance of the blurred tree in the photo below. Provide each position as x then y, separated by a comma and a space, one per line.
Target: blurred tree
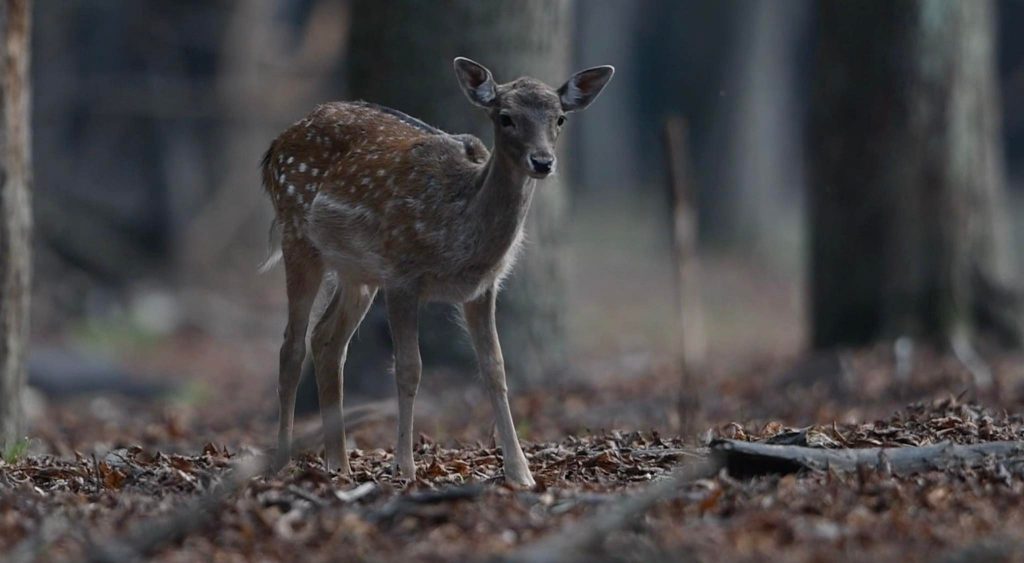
401, 56
15, 213
762, 165
907, 174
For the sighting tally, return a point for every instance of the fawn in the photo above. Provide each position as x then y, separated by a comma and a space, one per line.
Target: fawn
385, 201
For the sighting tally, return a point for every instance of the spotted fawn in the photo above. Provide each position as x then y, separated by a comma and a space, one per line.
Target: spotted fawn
385, 201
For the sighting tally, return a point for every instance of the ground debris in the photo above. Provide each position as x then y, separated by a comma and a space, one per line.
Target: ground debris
94, 481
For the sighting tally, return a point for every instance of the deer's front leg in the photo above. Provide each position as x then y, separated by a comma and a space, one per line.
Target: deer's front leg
403, 313
484, 334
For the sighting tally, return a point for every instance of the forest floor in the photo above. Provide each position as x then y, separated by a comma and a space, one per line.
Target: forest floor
115, 479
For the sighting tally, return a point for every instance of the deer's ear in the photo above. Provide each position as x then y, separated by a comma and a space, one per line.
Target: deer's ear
584, 87
476, 81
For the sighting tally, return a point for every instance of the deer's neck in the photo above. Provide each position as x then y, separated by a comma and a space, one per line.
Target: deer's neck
503, 200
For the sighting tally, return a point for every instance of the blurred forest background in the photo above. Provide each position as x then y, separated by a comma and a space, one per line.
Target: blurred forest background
815, 135
784, 221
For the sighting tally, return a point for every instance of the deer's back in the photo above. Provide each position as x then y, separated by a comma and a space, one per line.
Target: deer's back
380, 194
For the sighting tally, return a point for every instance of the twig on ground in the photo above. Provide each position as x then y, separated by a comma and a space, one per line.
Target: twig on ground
986, 549
354, 418
572, 542
402, 504
306, 495
668, 452
147, 537
355, 493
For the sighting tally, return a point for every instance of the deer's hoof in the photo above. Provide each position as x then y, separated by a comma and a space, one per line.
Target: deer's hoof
520, 479
405, 470
342, 469
278, 462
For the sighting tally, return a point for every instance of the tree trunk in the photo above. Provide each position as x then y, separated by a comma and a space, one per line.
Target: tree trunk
401, 56
906, 177
763, 164
15, 213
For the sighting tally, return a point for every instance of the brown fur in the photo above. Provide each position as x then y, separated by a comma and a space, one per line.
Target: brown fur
384, 200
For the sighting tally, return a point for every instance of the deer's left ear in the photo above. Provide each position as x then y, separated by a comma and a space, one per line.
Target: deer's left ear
584, 86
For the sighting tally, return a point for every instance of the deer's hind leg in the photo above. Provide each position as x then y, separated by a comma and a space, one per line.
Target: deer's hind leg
304, 271
330, 339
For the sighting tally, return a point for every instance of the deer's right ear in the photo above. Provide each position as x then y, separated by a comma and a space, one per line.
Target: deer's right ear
476, 81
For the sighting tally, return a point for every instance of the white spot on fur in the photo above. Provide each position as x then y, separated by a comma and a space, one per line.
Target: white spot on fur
302, 167
291, 159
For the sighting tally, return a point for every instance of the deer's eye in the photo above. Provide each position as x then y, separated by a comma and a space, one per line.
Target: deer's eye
561, 120
505, 120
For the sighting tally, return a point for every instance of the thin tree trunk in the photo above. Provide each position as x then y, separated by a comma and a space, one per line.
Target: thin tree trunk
907, 174
15, 213
401, 56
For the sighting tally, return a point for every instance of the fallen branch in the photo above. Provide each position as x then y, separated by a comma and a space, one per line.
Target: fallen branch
744, 459
152, 534
406, 504
676, 453
993, 548
572, 543
355, 417
306, 495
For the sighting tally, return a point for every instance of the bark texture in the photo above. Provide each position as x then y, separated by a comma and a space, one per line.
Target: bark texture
906, 180
748, 459
15, 213
401, 56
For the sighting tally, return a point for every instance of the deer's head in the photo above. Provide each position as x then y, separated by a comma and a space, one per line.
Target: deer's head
527, 114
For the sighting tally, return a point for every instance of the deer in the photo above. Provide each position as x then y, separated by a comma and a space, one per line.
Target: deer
386, 203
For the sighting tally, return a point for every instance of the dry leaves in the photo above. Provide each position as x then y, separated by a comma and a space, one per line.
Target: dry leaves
58, 505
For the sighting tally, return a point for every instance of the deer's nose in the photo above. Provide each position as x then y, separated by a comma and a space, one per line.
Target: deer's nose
542, 163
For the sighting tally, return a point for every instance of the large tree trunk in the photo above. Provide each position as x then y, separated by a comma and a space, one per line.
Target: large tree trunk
763, 166
401, 56
907, 234
15, 213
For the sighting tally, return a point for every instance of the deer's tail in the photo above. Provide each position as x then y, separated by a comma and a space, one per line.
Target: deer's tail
273, 249
273, 238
